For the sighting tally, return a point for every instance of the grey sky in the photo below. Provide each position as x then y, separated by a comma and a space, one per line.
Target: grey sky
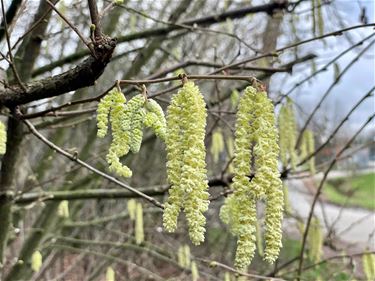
359, 79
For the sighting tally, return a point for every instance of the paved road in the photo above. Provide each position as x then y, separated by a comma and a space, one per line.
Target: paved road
362, 221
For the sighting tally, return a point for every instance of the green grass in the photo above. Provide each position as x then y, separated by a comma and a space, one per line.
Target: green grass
356, 191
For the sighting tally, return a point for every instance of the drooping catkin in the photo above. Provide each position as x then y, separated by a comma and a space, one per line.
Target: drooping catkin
139, 231
186, 167
104, 108
230, 152
368, 264
184, 256
234, 98
3, 138
181, 256
132, 206
217, 144
310, 145
36, 261
127, 122
227, 276
287, 206
228, 214
63, 209
113, 104
315, 240
110, 274
256, 151
259, 239
155, 119
194, 271
133, 121
287, 130
270, 177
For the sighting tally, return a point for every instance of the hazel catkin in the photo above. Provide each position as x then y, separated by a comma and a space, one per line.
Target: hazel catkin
287, 130
186, 167
3, 138
256, 177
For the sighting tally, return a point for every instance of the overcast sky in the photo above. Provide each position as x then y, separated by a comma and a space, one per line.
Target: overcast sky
359, 79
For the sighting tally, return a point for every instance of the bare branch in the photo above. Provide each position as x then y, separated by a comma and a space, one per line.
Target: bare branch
87, 166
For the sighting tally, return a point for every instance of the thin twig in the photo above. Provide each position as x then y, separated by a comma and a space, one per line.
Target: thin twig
95, 19
218, 264
323, 68
367, 95
328, 91
87, 166
12, 65
191, 77
75, 29
318, 192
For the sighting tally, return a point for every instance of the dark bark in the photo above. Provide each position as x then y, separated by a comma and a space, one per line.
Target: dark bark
83, 75
203, 21
7, 176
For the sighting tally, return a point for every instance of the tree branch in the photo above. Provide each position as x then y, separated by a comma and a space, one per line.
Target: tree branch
89, 167
83, 75
207, 20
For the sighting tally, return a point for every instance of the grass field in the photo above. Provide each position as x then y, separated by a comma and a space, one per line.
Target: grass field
355, 191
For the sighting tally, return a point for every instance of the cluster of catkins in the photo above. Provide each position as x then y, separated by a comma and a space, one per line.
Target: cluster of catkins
3, 138
256, 177
287, 131
127, 123
256, 152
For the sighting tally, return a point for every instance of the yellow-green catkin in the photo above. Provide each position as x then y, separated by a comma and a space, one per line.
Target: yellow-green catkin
227, 276
36, 261
127, 122
230, 152
287, 206
269, 149
287, 131
239, 210
110, 274
155, 118
3, 138
186, 167
184, 256
139, 231
368, 264
103, 110
217, 144
256, 151
259, 239
181, 256
228, 214
315, 241
133, 122
113, 104
187, 255
194, 271
234, 98
63, 209
310, 146
132, 206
